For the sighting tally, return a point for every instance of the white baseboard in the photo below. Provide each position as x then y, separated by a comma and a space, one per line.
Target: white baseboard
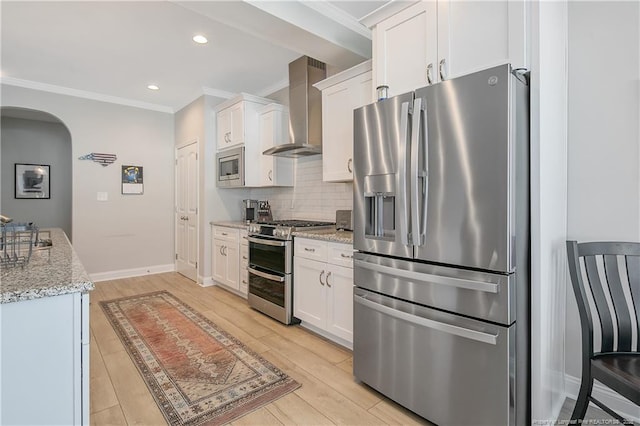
205, 281
611, 399
135, 272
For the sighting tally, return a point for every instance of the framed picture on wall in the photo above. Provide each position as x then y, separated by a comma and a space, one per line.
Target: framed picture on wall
132, 180
33, 181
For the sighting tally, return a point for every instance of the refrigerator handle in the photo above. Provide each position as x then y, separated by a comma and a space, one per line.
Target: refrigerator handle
402, 174
425, 176
413, 179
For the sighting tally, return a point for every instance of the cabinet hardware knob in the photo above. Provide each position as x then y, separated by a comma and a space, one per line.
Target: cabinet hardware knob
441, 69
225, 234
244, 257
327, 279
346, 256
429, 71
349, 163
309, 249
320, 277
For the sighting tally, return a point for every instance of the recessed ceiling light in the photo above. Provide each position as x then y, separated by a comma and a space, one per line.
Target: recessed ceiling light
200, 39
153, 87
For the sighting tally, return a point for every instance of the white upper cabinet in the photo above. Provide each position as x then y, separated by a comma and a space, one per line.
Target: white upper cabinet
273, 130
431, 41
341, 94
404, 46
237, 121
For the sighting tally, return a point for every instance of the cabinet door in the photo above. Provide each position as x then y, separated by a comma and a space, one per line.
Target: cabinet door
219, 272
309, 291
340, 302
471, 36
232, 255
338, 103
237, 124
267, 140
405, 45
223, 124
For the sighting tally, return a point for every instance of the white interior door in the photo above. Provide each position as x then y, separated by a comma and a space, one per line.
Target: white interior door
187, 211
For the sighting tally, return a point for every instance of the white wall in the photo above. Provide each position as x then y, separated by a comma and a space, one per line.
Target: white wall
125, 235
548, 205
37, 142
604, 138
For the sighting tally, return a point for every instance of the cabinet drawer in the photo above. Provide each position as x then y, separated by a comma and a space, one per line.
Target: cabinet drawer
226, 234
311, 249
244, 280
243, 238
340, 254
244, 255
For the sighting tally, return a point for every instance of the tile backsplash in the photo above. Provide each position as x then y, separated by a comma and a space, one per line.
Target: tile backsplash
310, 198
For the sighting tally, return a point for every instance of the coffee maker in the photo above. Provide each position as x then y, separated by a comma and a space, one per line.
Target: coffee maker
249, 210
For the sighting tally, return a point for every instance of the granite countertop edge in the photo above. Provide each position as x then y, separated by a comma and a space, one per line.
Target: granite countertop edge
62, 274
238, 224
334, 236
38, 293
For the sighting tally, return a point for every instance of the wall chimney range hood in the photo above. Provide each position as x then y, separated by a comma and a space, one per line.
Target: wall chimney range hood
305, 110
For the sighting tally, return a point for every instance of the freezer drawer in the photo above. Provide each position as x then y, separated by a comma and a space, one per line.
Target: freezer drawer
481, 295
449, 369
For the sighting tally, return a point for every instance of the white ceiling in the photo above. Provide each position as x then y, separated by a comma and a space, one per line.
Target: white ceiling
117, 48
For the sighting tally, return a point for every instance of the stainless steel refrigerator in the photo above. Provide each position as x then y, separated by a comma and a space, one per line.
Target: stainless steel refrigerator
441, 226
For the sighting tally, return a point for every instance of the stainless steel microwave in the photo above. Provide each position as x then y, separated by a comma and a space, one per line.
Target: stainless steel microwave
230, 165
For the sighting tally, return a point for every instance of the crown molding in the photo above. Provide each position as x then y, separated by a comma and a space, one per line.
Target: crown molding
385, 11
218, 93
52, 88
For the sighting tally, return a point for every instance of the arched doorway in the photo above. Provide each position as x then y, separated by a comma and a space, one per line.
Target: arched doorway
31, 137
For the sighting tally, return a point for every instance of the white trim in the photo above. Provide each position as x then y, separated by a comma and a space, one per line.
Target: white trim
385, 11
354, 71
340, 16
10, 81
602, 393
205, 281
273, 88
134, 272
217, 93
327, 335
242, 97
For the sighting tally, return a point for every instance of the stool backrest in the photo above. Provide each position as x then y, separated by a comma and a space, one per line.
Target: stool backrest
610, 273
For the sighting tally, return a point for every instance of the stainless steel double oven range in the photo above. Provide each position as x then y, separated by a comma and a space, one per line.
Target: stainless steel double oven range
271, 266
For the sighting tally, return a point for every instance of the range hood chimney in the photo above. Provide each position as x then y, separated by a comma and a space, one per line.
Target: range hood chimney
305, 110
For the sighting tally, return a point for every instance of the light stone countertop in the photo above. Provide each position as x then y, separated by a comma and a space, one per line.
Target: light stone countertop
238, 224
47, 274
331, 235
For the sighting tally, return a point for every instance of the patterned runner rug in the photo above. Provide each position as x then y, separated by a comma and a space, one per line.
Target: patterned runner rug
197, 373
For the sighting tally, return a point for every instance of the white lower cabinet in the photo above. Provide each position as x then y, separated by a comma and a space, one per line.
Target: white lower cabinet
45, 361
226, 257
323, 288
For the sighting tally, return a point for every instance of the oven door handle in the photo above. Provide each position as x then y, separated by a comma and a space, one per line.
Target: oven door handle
265, 275
268, 242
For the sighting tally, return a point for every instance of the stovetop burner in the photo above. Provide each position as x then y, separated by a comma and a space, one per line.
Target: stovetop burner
282, 229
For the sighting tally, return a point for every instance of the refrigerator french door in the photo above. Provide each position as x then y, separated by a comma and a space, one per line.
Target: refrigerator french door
441, 223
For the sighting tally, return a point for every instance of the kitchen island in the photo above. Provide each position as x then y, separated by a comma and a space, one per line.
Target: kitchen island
44, 343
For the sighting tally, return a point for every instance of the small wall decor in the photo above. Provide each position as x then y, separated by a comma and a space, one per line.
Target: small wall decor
32, 181
132, 180
103, 159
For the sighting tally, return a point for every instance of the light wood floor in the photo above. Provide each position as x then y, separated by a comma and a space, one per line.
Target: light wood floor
328, 395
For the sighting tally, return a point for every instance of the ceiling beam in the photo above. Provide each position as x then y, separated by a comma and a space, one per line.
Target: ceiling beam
320, 31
